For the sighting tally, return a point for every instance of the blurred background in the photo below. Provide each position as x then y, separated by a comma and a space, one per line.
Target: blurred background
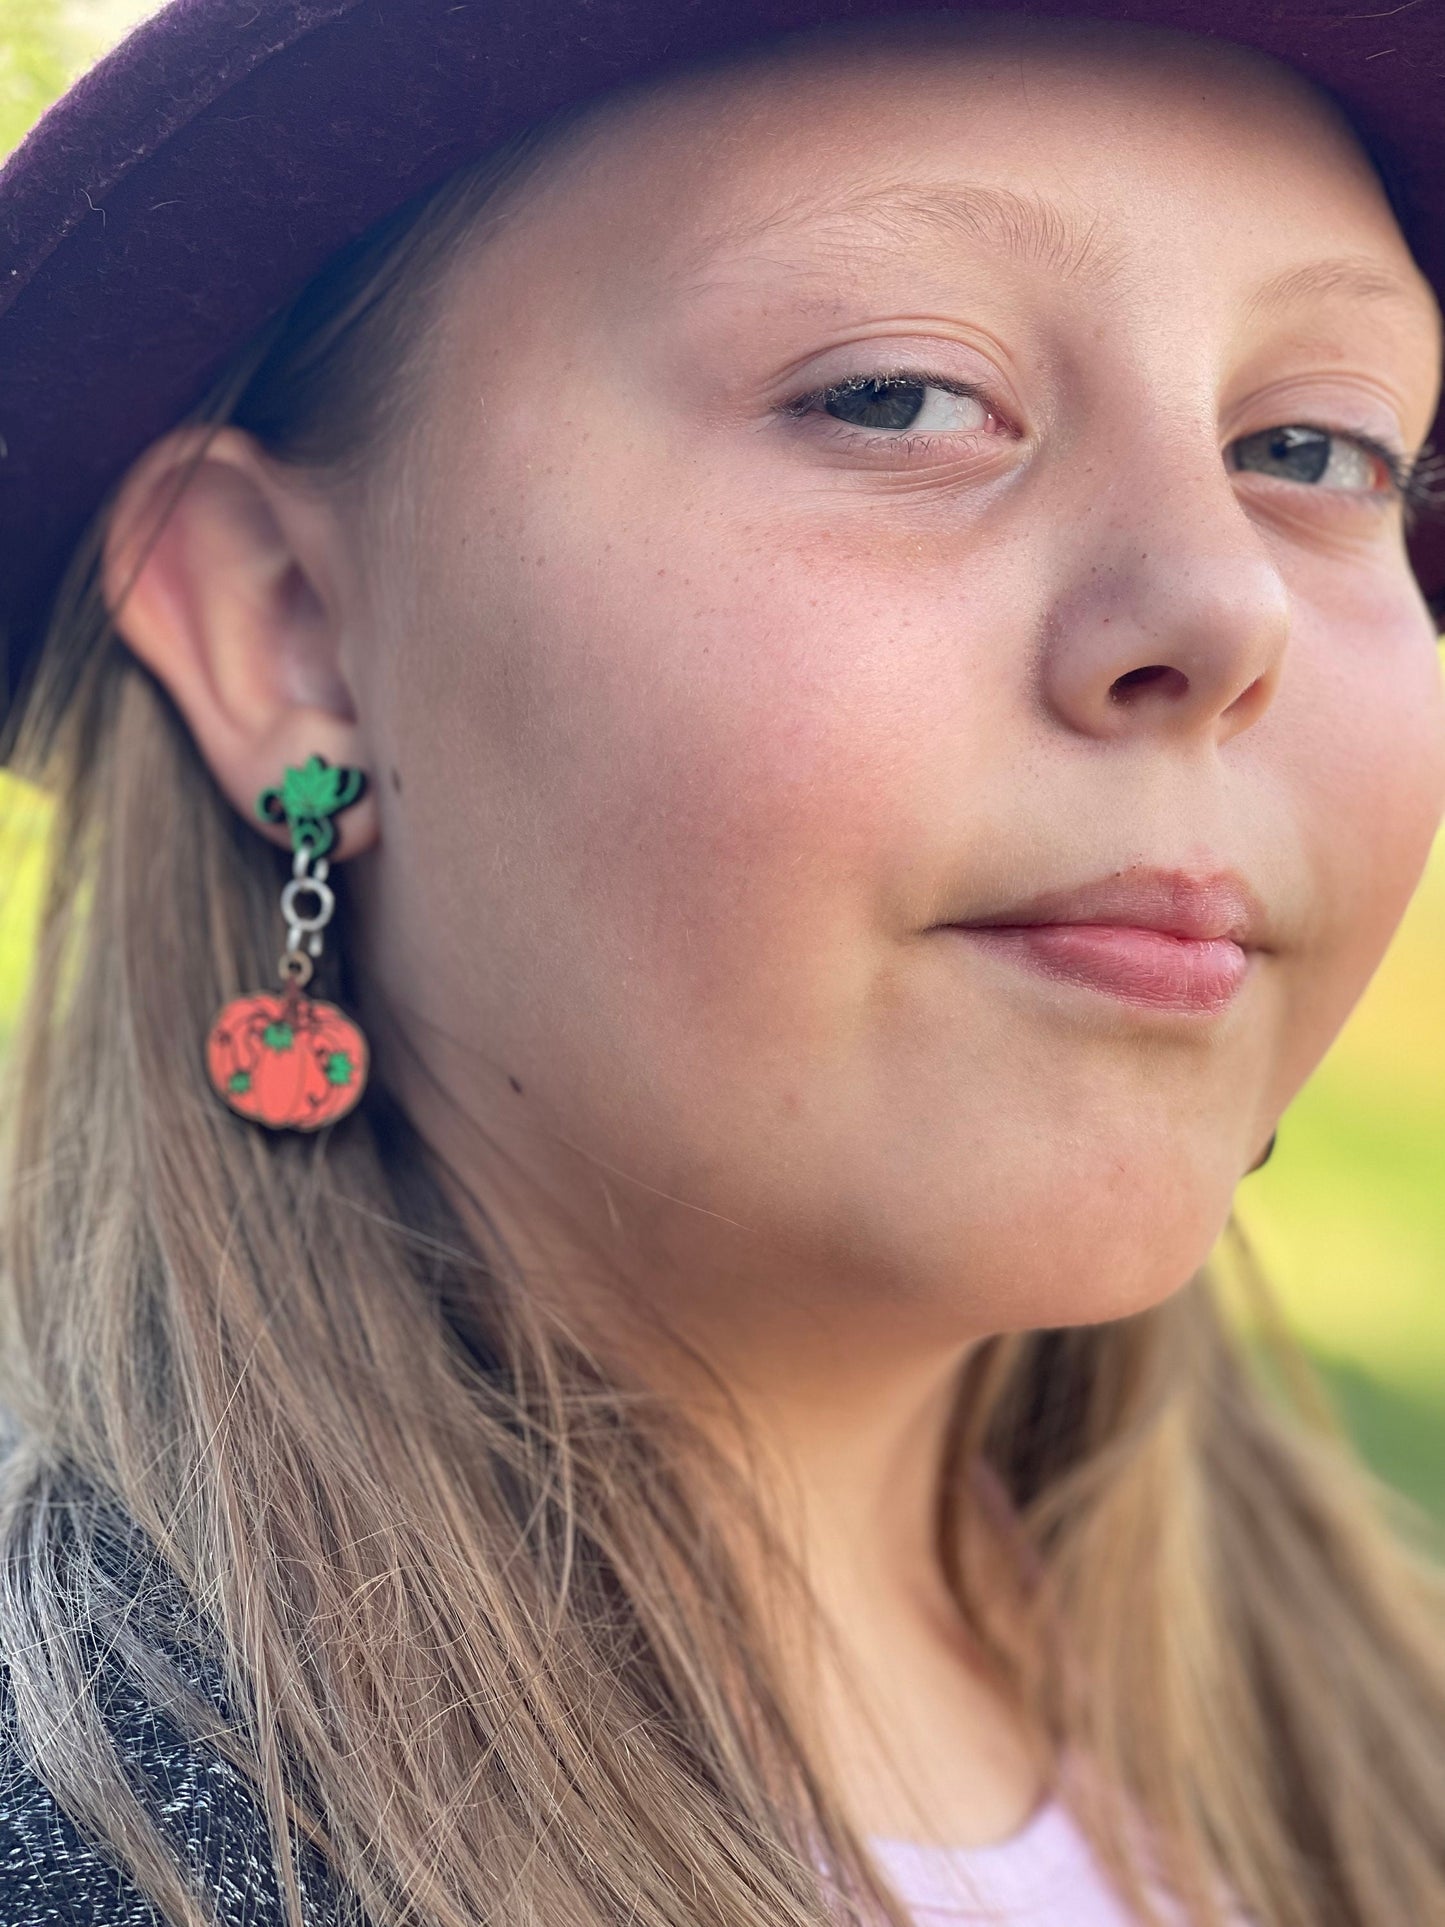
1347, 1219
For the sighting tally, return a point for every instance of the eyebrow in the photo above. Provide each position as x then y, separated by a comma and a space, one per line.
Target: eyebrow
1354, 275
1033, 229
1025, 225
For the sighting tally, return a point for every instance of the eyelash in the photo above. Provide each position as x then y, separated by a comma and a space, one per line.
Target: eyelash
1413, 483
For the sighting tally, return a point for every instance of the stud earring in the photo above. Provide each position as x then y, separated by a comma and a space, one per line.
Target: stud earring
285, 1059
1264, 1155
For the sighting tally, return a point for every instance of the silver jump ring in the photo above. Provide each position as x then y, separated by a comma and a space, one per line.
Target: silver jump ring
301, 858
307, 874
325, 898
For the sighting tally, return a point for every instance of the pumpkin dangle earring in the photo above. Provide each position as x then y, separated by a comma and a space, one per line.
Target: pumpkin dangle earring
282, 1058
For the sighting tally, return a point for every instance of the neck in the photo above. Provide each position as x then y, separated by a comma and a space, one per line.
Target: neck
836, 1422
845, 1450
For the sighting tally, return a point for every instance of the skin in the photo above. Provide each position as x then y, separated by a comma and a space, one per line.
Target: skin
690, 721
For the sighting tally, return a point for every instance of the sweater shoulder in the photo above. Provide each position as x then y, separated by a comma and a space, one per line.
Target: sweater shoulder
50, 1873
56, 1871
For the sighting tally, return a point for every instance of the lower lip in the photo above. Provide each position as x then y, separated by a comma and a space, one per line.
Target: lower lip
1140, 966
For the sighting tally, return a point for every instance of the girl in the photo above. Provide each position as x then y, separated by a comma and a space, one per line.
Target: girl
807, 648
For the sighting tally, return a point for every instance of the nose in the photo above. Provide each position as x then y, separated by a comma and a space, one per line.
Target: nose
1172, 615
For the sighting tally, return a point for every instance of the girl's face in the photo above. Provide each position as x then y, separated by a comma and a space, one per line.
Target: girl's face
698, 709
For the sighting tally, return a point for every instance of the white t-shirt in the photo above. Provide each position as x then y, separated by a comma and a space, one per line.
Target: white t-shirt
1045, 1875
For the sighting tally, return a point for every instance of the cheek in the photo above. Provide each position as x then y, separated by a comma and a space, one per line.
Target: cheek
700, 744
728, 797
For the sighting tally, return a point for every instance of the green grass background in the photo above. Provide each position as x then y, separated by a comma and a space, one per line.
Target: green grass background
1348, 1217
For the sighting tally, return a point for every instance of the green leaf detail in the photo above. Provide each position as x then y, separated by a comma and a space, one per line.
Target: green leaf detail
278, 1036
239, 1081
338, 1068
308, 797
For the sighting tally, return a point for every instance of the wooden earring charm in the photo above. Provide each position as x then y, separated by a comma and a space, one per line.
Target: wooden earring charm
283, 1058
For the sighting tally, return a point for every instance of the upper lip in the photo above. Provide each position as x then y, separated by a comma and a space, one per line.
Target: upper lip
1182, 903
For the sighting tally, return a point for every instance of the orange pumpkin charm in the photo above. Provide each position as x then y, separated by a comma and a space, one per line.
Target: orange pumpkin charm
286, 1060
281, 1058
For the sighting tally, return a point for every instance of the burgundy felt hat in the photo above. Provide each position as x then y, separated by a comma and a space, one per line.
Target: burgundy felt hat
192, 181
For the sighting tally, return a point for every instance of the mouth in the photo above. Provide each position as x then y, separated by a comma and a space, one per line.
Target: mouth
1179, 940
1152, 968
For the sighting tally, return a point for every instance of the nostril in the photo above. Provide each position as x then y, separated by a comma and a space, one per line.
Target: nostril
1124, 685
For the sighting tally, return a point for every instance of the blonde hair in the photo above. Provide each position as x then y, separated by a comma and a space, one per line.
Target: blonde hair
481, 1642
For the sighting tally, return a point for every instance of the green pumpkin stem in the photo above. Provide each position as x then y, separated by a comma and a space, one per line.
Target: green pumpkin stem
307, 798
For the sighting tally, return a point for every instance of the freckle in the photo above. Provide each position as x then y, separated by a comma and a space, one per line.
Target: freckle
396, 781
662, 572
515, 1085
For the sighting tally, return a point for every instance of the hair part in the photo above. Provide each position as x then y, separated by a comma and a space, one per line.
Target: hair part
460, 1609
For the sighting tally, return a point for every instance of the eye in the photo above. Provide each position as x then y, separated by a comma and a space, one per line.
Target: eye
1355, 464
906, 408
912, 411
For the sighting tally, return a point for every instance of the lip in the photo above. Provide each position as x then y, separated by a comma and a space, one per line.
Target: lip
1146, 967
1167, 939
1179, 903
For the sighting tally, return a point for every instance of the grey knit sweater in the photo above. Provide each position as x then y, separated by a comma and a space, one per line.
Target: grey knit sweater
53, 1875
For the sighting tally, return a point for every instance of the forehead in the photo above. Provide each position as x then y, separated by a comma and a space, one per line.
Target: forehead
1093, 150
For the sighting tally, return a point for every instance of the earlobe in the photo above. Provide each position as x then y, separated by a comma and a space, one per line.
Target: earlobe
218, 574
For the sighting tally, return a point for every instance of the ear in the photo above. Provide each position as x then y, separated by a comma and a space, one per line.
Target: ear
232, 604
